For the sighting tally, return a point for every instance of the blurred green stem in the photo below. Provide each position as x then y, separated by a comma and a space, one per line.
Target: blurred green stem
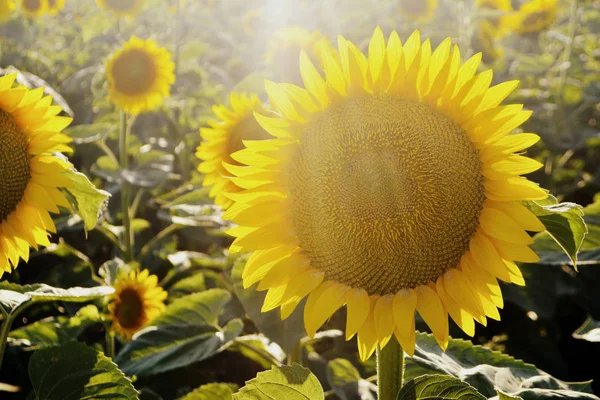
125, 189
295, 355
390, 370
110, 340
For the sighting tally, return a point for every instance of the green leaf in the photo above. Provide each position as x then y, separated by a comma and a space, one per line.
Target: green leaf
346, 382
12, 295
285, 333
75, 371
564, 223
110, 270
288, 382
89, 133
185, 333
56, 331
589, 330
87, 201
187, 286
212, 391
440, 387
489, 371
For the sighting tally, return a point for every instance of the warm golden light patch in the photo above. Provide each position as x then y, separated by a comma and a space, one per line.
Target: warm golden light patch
14, 164
369, 191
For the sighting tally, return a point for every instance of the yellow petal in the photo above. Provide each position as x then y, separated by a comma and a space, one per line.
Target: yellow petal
322, 303
434, 314
384, 321
357, 303
497, 224
405, 303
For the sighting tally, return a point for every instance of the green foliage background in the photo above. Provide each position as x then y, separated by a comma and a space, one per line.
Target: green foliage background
213, 338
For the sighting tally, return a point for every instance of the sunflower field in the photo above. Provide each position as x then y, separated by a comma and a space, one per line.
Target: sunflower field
299, 200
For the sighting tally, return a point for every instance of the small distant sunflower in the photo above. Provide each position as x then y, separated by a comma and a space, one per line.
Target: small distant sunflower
486, 36
284, 47
392, 185
140, 75
6, 9
30, 175
534, 16
34, 8
137, 301
55, 6
122, 8
417, 9
226, 136
498, 24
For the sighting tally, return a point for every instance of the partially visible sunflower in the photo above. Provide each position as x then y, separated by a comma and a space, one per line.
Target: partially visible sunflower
533, 16
391, 186
499, 27
486, 42
235, 128
139, 75
137, 301
55, 6
30, 175
417, 10
122, 8
249, 20
6, 9
34, 8
284, 48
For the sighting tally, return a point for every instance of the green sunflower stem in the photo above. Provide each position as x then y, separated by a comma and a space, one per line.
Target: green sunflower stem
110, 341
390, 370
126, 189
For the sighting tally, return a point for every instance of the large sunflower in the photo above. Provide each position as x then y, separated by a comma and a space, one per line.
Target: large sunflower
533, 16
30, 175
33, 8
391, 186
122, 8
137, 301
417, 10
284, 47
6, 9
139, 75
224, 137
55, 6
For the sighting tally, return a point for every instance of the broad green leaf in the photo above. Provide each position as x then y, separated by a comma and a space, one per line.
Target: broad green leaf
589, 330
212, 391
110, 270
564, 223
346, 382
185, 333
285, 333
75, 371
187, 286
89, 133
489, 370
287, 382
440, 387
56, 331
12, 295
87, 201
259, 349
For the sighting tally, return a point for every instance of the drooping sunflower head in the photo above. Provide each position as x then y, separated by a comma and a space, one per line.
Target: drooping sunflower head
30, 175
122, 8
137, 301
234, 129
139, 75
284, 47
33, 8
485, 41
391, 185
55, 6
6, 9
534, 16
417, 10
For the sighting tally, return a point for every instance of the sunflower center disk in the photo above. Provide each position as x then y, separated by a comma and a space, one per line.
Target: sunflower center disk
385, 193
134, 72
130, 309
14, 164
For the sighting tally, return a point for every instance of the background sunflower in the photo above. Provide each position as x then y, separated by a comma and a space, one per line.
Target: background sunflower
139, 75
34, 8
